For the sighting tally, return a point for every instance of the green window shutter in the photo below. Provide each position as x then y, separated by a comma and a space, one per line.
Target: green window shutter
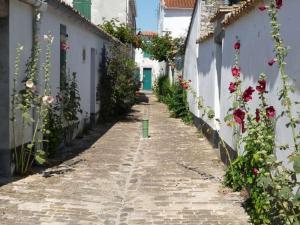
84, 7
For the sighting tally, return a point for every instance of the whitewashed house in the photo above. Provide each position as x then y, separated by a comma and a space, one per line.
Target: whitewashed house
123, 10
209, 58
149, 69
174, 18
86, 43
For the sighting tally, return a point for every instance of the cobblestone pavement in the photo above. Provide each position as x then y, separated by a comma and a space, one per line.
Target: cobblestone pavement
170, 179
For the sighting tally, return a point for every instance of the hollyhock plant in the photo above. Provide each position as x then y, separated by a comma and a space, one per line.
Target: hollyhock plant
239, 116
257, 115
270, 112
232, 87
247, 95
261, 88
236, 71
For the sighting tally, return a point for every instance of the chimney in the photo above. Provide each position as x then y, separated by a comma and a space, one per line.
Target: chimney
84, 7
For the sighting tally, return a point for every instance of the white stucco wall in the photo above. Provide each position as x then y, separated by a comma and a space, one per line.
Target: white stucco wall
253, 30
79, 38
190, 70
20, 32
256, 50
108, 10
143, 62
175, 21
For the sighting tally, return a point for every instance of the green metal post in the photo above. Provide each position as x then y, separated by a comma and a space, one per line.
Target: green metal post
145, 128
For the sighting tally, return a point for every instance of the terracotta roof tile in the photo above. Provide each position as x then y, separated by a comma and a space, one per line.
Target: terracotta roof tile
205, 37
242, 9
148, 33
179, 4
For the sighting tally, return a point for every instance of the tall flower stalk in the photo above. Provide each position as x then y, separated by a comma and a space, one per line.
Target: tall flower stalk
287, 88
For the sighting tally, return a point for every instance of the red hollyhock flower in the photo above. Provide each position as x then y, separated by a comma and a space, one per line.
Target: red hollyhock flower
236, 71
257, 115
271, 112
271, 62
237, 45
185, 86
261, 88
262, 7
232, 87
239, 116
278, 4
247, 95
255, 171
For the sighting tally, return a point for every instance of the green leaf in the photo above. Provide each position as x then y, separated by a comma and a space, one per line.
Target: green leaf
30, 146
39, 159
250, 180
296, 162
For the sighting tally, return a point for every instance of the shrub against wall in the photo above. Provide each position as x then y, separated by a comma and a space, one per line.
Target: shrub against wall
117, 86
175, 97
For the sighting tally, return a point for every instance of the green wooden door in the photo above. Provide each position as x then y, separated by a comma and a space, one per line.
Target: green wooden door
147, 81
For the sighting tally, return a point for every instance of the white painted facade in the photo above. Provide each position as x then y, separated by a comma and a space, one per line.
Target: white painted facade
174, 21
253, 30
123, 10
147, 63
82, 36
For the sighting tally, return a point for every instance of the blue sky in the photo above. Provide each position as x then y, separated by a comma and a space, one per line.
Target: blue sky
147, 15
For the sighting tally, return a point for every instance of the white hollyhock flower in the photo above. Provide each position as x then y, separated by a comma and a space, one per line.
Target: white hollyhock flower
48, 99
29, 84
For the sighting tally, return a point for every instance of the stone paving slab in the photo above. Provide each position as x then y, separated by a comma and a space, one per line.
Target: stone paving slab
171, 178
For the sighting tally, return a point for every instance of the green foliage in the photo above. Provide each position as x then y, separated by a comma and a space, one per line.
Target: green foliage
162, 87
70, 103
273, 188
33, 107
55, 129
165, 48
121, 31
175, 97
117, 86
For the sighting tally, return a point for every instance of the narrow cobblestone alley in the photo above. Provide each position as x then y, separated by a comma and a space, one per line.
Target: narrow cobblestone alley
171, 178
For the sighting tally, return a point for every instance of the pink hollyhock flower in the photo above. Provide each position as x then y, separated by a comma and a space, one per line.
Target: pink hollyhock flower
278, 4
271, 62
271, 112
237, 45
48, 100
262, 7
255, 171
239, 116
261, 88
257, 115
232, 87
247, 95
235, 71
